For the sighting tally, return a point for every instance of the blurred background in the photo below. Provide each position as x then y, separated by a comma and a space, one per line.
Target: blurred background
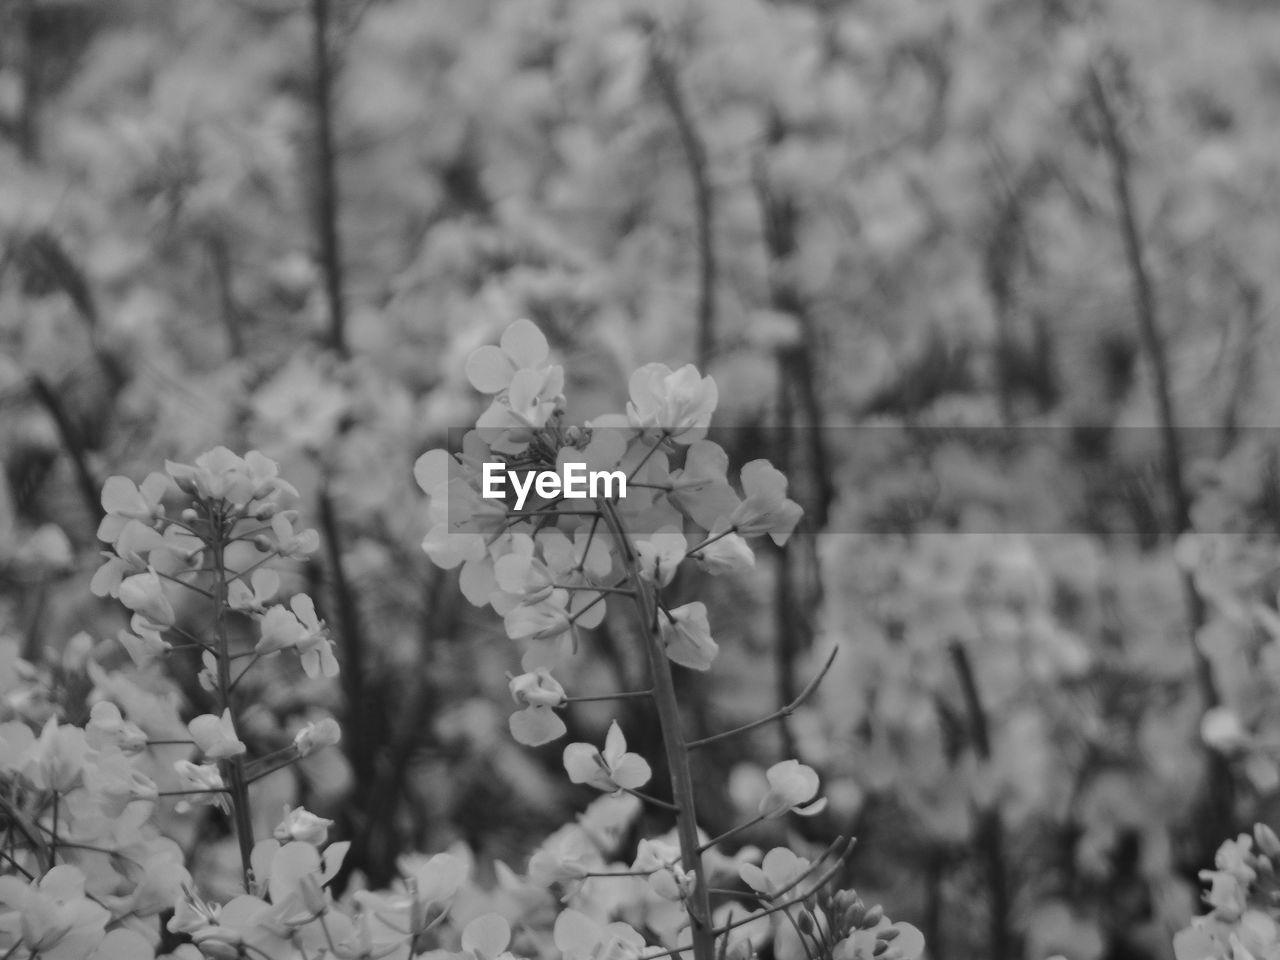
993, 281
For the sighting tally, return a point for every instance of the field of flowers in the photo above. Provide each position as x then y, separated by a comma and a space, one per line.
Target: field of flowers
929, 604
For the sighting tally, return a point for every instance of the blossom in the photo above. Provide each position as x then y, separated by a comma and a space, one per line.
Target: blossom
686, 635
660, 555
545, 620
290, 543
204, 781
300, 628
261, 589
313, 736
108, 726
724, 552
143, 644
579, 937
779, 871
766, 508
521, 347
527, 388
217, 474
678, 403
302, 825
1221, 730
538, 722
55, 920
143, 593
55, 761
700, 489
124, 501
216, 736
791, 786
612, 770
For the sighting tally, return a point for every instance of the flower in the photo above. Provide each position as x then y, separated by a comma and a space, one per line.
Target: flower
55, 920
317, 734
216, 736
678, 403
791, 785
660, 555
766, 508
538, 722
686, 635
1221, 730
143, 593
265, 584
124, 501
205, 783
612, 770
302, 825
144, 644
777, 872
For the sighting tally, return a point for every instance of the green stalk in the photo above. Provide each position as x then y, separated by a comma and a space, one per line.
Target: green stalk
234, 766
673, 742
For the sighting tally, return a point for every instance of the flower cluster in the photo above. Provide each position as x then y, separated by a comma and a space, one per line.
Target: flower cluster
1244, 921
549, 569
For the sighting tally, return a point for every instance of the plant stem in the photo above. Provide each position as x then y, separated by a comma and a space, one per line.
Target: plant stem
664, 696
327, 201
239, 788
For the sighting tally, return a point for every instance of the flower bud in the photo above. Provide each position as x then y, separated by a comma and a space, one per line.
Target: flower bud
880, 949
888, 935
262, 543
873, 916
804, 922
853, 916
189, 516
265, 511
1268, 842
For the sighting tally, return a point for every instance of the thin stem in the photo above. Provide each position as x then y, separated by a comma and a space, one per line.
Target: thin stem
623, 591
182, 583
677, 753
624, 695
650, 799
778, 714
710, 540
239, 788
695, 152
732, 832
752, 917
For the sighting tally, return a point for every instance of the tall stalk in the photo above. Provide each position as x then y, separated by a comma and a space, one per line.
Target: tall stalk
220, 525
673, 742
